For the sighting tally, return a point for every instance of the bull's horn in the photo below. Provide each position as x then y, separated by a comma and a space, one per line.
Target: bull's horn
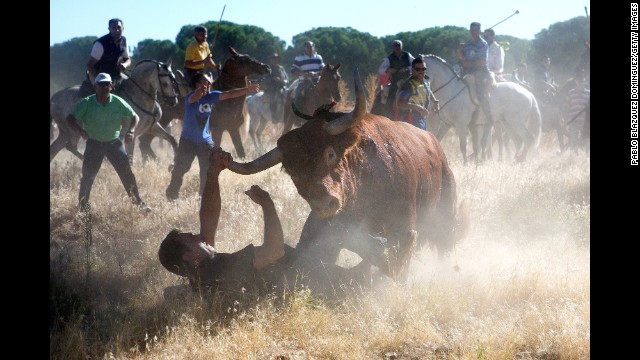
346, 121
262, 163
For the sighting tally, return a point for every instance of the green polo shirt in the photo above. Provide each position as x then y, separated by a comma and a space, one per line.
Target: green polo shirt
102, 122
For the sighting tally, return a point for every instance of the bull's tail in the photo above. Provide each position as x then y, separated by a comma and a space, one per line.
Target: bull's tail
463, 222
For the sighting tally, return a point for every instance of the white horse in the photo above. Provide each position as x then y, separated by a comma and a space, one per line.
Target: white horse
260, 117
148, 79
512, 106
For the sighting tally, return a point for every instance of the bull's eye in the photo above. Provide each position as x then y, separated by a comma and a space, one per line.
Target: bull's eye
330, 156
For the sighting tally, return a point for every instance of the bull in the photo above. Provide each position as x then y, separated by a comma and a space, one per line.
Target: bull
380, 188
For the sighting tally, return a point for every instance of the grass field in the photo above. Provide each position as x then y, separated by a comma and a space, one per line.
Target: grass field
522, 290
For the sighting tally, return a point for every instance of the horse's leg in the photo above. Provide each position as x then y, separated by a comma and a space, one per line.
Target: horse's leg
58, 144
144, 143
157, 130
237, 142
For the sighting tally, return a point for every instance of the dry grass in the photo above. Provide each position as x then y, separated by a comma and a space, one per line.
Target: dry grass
522, 291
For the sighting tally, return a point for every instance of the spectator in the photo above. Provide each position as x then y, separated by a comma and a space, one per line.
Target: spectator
306, 67
578, 101
110, 55
495, 57
415, 95
195, 139
102, 117
396, 66
197, 57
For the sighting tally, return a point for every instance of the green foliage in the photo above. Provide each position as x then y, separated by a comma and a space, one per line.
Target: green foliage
161, 50
564, 43
68, 61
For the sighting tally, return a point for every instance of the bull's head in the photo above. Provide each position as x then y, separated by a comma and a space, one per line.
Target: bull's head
314, 155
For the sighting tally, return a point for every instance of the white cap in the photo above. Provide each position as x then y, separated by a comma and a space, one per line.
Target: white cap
103, 77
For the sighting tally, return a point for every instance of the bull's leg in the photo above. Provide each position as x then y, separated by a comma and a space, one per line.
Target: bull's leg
237, 142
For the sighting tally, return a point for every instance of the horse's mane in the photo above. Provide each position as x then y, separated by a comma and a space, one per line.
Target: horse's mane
442, 61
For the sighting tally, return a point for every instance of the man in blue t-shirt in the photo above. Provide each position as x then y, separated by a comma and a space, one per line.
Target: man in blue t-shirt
195, 139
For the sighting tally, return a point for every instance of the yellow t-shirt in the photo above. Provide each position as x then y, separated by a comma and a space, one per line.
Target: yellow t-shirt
196, 52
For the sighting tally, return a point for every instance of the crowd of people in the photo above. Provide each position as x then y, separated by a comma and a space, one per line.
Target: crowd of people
405, 94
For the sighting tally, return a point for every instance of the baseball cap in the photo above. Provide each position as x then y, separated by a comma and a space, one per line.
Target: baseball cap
103, 77
396, 42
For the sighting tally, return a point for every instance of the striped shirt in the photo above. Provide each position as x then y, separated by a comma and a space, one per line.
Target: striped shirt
307, 63
578, 100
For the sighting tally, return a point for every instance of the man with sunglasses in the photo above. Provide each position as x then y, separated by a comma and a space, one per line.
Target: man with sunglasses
415, 95
102, 117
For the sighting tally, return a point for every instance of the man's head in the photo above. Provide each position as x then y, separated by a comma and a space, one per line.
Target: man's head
418, 68
103, 83
309, 47
200, 79
490, 35
545, 60
275, 58
181, 252
396, 46
116, 27
200, 33
474, 30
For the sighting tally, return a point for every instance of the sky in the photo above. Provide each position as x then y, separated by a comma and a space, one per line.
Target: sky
159, 20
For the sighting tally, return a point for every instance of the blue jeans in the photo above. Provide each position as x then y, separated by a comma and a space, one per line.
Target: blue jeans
187, 151
94, 153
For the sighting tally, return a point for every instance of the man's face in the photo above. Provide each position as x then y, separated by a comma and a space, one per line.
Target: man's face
474, 32
115, 30
308, 49
201, 36
489, 37
197, 249
103, 88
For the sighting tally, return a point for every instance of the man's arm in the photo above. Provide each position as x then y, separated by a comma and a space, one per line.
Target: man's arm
229, 94
73, 124
210, 204
273, 247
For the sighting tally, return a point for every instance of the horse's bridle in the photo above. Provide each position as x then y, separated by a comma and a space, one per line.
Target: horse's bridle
172, 99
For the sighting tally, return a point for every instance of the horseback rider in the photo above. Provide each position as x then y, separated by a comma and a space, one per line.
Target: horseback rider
197, 56
544, 84
495, 56
397, 66
306, 67
275, 83
473, 56
110, 54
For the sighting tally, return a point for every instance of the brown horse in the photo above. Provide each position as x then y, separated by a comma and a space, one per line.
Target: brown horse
229, 115
324, 92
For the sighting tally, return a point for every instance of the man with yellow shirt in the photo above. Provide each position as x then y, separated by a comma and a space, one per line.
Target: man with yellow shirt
198, 55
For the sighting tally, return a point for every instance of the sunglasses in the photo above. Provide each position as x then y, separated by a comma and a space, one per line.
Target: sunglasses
420, 69
104, 84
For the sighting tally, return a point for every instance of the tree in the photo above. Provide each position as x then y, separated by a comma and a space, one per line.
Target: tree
68, 62
161, 50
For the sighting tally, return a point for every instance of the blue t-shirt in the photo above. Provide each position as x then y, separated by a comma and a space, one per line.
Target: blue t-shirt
474, 50
196, 120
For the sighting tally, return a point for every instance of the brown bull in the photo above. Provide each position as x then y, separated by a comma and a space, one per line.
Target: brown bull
367, 177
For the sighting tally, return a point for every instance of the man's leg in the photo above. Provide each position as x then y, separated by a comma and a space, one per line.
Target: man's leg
183, 159
93, 155
117, 156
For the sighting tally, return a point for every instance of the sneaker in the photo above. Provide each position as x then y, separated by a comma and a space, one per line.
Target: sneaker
144, 207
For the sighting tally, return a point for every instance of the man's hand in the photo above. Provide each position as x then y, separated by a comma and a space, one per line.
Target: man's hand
258, 195
219, 160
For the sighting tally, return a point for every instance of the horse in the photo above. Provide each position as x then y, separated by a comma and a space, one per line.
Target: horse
324, 92
140, 90
168, 114
511, 104
229, 115
260, 115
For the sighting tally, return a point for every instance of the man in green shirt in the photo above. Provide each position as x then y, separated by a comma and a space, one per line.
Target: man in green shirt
99, 119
